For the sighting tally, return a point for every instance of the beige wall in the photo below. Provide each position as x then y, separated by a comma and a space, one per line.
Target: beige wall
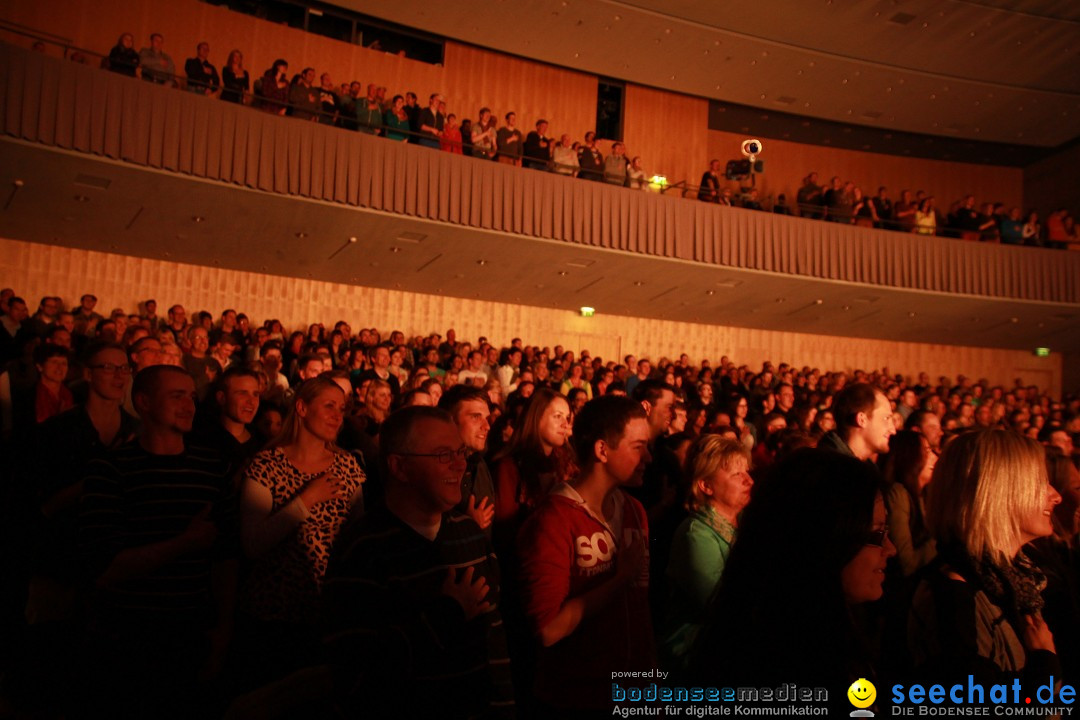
787, 163
119, 281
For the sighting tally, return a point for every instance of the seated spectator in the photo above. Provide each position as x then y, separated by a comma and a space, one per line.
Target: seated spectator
615, 165
202, 76
796, 623
538, 147
565, 157
295, 497
909, 467
508, 142
584, 576
158, 530
590, 160
719, 489
235, 81
451, 136
780, 207
235, 404
155, 64
469, 409
413, 589
304, 97
709, 187
431, 123
978, 609
273, 88
577, 381
751, 202
396, 120
122, 58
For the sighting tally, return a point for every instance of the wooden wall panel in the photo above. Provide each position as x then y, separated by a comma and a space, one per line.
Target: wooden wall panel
668, 131
119, 281
787, 163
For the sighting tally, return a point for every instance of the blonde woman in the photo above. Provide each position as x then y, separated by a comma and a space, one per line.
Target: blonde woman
718, 469
295, 497
979, 608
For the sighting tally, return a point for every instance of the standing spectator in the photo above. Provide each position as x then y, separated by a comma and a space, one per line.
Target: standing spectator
538, 147
883, 207
413, 592
1056, 235
615, 165
273, 88
635, 175
584, 576
780, 207
303, 97
202, 76
709, 187
122, 58
431, 122
471, 413
719, 472
158, 537
451, 136
1032, 230
349, 105
590, 160
864, 211
466, 137
369, 115
235, 81
86, 319
926, 217
904, 212
155, 63
978, 608
396, 120
565, 157
483, 135
809, 198
296, 496
508, 142
1012, 228
412, 111
329, 102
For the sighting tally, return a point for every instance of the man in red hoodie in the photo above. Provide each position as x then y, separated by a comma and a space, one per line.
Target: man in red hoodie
584, 565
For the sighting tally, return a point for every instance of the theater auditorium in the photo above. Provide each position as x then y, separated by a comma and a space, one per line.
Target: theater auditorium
538, 358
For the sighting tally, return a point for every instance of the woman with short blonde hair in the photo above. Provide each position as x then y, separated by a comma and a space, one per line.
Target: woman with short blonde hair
718, 470
978, 607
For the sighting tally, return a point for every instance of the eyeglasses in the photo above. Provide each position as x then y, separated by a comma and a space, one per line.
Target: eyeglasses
445, 456
111, 368
876, 537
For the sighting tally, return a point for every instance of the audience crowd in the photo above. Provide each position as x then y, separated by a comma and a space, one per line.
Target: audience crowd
315, 97
214, 515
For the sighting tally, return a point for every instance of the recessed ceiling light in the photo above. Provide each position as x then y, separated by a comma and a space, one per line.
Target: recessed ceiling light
81, 198
301, 235
780, 300
710, 292
638, 283
395, 249
352, 239
197, 218
911, 314
819, 301
481, 262
563, 272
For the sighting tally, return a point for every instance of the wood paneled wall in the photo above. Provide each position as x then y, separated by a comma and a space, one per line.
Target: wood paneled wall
787, 163
668, 131
120, 281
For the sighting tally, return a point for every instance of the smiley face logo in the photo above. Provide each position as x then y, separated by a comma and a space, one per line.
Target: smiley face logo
862, 693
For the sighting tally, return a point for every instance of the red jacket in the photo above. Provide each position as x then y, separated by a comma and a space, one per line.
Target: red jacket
566, 551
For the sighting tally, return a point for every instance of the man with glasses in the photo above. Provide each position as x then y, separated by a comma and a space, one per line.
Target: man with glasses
411, 595
61, 449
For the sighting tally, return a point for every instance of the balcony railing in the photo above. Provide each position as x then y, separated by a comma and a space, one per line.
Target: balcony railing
86, 109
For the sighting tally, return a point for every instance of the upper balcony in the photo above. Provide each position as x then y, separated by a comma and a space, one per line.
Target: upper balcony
175, 150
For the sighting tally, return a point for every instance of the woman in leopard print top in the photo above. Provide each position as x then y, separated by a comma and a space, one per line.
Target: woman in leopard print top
296, 496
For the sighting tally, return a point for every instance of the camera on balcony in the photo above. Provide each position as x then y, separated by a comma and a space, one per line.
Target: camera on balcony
742, 169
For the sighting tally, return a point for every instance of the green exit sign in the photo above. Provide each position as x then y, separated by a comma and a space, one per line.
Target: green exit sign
1042, 352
